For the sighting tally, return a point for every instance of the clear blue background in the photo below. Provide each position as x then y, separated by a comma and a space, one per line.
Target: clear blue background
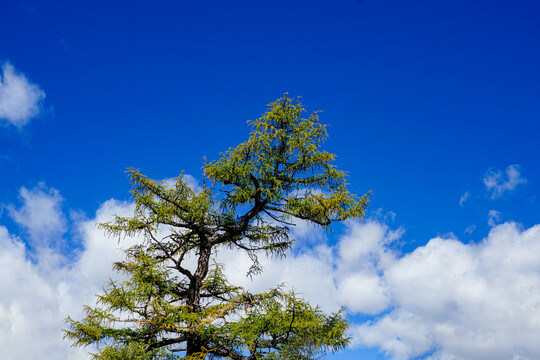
422, 97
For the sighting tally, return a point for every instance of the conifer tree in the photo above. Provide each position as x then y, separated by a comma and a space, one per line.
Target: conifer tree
176, 302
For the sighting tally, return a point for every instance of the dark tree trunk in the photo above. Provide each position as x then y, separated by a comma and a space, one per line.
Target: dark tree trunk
194, 343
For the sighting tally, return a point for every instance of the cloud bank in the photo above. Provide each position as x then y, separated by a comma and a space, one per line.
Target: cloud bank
444, 300
463, 301
41, 286
19, 98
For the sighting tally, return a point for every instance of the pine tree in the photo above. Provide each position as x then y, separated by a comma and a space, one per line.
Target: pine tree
169, 310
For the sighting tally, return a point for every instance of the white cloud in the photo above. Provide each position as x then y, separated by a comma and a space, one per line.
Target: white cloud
30, 321
40, 214
447, 299
463, 198
390, 216
190, 180
41, 288
463, 301
444, 300
498, 183
19, 99
493, 217
347, 274
308, 272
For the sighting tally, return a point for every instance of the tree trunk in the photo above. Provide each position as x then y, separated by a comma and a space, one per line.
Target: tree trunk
194, 343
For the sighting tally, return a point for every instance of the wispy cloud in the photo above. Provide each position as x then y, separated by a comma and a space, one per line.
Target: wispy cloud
497, 183
463, 198
493, 217
20, 99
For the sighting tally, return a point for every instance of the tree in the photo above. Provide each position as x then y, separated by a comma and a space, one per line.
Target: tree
169, 309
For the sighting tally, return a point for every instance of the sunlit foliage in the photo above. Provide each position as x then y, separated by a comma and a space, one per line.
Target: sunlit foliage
176, 302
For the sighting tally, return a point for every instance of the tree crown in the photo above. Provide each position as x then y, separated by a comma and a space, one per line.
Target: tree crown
171, 308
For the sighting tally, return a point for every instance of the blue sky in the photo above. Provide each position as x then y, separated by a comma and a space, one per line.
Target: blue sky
433, 106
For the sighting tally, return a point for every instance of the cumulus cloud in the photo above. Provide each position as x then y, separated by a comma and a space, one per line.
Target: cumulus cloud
30, 305
498, 183
462, 301
39, 291
347, 274
40, 214
444, 300
20, 99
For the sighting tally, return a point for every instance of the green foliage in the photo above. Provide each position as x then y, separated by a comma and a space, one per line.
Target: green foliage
282, 168
170, 310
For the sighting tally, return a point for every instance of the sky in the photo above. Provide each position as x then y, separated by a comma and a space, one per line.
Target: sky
432, 106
